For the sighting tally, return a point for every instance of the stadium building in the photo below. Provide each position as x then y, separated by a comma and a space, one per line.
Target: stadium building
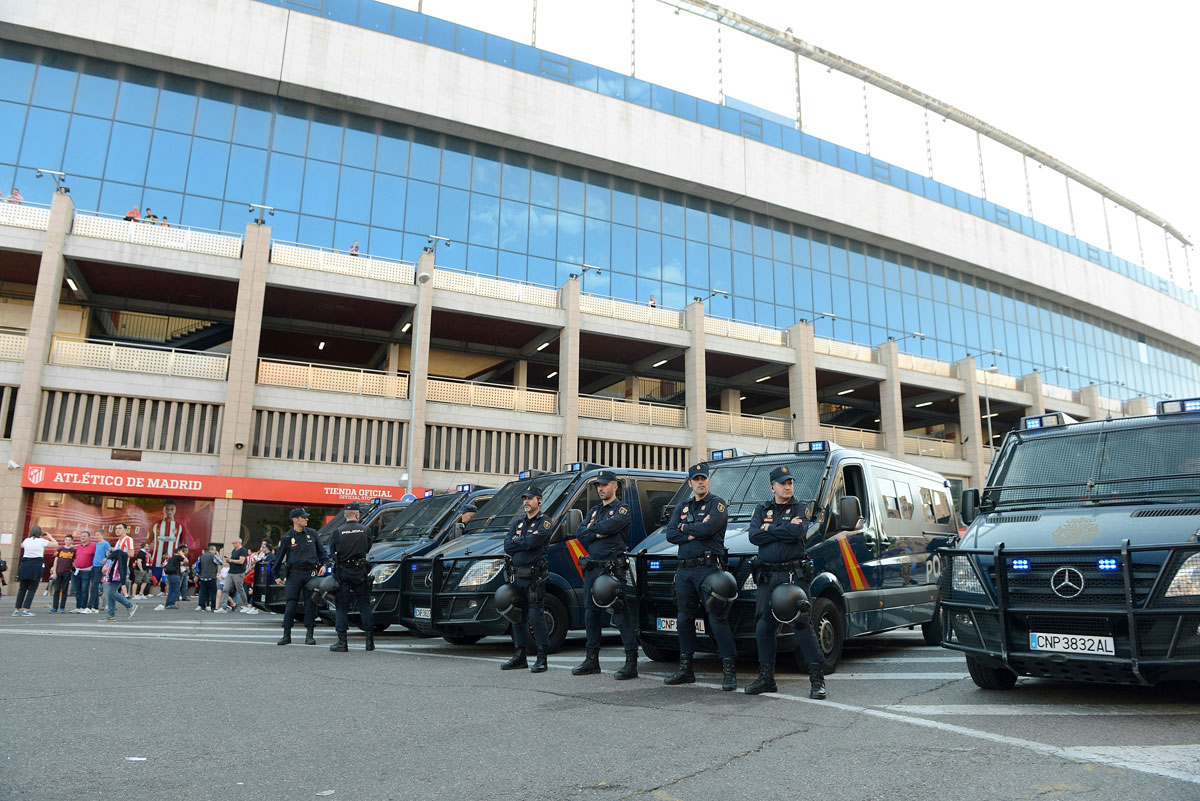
394, 253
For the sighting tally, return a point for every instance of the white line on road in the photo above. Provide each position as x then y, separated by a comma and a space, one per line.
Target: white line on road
936, 710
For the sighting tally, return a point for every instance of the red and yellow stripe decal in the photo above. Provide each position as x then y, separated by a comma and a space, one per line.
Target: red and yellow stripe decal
858, 581
576, 550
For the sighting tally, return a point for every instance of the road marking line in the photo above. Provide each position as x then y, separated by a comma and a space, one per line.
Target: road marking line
934, 710
904, 676
1181, 759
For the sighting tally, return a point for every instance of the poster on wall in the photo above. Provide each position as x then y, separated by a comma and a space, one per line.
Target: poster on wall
161, 524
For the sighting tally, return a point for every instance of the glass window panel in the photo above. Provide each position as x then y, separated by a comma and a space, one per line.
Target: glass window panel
470, 42
696, 223
387, 205
498, 50
514, 178
570, 190
820, 252
583, 75
137, 96
673, 259
325, 135
512, 265
840, 289
802, 279
858, 302
168, 160
624, 249
838, 264
45, 136
542, 271
672, 213
623, 286
84, 191
611, 84
214, 112
764, 313
649, 209
762, 236
408, 24
128, 152
743, 236
485, 222
481, 260
597, 243
456, 163
337, 10
16, 71
252, 125
781, 242
649, 254
54, 85
822, 293
284, 225
783, 282
598, 284
384, 242
718, 226
199, 212
354, 195
247, 174
624, 203
453, 214
285, 177
375, 15
117, 198
316, 231
542, 231
764, 278
177, 105
697, 264
97, 91
514, 225
858, 262
206, 173
544, 187
168, 204
743, 275
346, 234
359, 147
485, 170
570, 238
12, 125
87, 143
599, 198
320, 189
720, 269
290, 134
426, 160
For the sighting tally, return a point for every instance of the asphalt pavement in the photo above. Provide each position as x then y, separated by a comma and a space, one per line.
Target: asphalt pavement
194, 705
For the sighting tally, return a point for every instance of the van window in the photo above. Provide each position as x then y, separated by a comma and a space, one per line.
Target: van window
891, 506
852, 481
927, 505
941, 506
654, 494
590, 497
905, 498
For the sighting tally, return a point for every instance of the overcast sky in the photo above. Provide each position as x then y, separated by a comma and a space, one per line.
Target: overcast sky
1106, 87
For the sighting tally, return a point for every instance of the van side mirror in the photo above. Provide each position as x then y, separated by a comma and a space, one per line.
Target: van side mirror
456, 531
849, 513
664, 514
970, 505
571, 522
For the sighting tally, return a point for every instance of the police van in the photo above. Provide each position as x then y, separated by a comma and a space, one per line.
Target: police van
875, 528
449, 591
1081, 560
424, 525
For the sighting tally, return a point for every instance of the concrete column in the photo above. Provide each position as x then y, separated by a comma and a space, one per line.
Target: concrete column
1135, 407
27, 404
1089, 396
227, 519
802, 384
568, 372
696, 382
1032, 384
731, 401
521, 374
418, 370
891, 405
970, 423
632, 391
393, 358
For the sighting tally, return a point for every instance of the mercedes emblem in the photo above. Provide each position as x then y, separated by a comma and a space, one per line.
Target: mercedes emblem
429, 579
1067, 582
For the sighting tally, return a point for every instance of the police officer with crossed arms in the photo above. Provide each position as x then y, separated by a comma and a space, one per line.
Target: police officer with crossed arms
525, 544
778, 527
603, 532
301, 556
348, 549
697, 526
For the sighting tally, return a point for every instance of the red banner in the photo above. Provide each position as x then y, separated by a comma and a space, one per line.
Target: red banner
182, 485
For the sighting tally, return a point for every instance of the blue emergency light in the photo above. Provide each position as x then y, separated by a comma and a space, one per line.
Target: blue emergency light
465, 487
817, 446
413, 567
1021, 564
1108, 563
655, 565
1179, 406
428, 494
1046, 421
573, 467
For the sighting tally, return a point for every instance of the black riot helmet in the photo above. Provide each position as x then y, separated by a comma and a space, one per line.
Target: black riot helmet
790, 604
719, 591
328, 585
607, 591
313, 584
508, 601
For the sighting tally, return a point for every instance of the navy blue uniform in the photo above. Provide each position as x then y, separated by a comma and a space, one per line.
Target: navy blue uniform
526, 543
704, 519
604, 533
348, 549
302, 553
780, 541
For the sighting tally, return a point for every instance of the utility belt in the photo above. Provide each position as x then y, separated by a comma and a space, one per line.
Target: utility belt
615, 566
356, 564
803, 567
538, 570
708, 560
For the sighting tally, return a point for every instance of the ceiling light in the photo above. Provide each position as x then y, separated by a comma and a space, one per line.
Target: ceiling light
543, 346
71, 283
993, 414
659, 363
742, 398
321, 345
764, 378
552, 374
404, 328
876, 419
919, 405
845, 392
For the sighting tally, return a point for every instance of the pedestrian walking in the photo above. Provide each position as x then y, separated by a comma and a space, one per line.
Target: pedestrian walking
301, 556
208, 566
116, 573
29, 571
348, 548
139, 568
60, 575
235, 589
526, 544
173, 572
81, 579
98, 559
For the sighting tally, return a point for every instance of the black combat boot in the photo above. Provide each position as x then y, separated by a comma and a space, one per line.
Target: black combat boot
286, 639
309, 639
340, 645
539, 664
765, 683
517, 661
816, 678
589, 665
684, 675
728, 675
370, 641
629, 671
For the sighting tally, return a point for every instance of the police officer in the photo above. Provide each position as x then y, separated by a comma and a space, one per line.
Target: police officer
468, 513
604, 532
348, 550
300, 557
526, 543
697, 526
777, 527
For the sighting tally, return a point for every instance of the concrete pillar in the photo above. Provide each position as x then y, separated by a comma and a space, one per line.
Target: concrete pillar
731, 401
418, 370
1032, 384
568, 372
632, 389
802, 384
891, 405
393, 358
696, 382
1135, 407
28, 402
521, 374
1089, 396
970, 424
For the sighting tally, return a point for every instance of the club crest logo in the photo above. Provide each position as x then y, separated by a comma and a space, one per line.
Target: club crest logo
1076, 531
36, 474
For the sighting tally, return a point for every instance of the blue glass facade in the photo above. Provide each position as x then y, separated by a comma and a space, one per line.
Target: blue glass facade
198, 152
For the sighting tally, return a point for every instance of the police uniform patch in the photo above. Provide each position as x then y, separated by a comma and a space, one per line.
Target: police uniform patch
293, 541
546, 524
720, 507
783, 469
623, 510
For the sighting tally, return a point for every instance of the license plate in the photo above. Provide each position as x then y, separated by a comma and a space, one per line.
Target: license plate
1071, 644
671, 624
421, 612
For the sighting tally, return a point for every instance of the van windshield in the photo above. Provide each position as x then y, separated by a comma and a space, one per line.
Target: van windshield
744, 484
507, 506
1101, 463
419, 518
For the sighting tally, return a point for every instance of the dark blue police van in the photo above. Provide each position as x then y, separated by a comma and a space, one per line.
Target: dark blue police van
1081, 561
449, 591
876, 525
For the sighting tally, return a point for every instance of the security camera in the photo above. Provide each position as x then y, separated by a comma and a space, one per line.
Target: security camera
424, 278
13, 465
239, 445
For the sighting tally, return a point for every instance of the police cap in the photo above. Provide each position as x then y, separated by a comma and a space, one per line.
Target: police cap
470, 507
532, 491
781, 474
698, 471
299, 512
353, 506
606, 477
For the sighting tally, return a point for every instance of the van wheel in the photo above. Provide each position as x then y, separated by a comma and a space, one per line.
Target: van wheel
463, 639
932, 630
658, 654
990, 678
557, 623
830, 626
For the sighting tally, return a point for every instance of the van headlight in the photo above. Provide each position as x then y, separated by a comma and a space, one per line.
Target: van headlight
632, 561
481, 572
381, 573
964, 578
1187, 579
